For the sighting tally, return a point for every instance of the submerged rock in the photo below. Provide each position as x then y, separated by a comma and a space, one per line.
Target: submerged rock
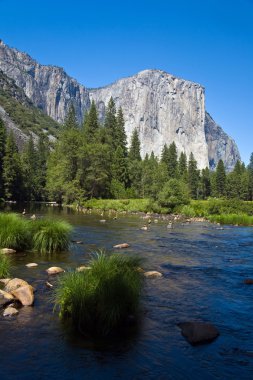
55, 270
82, 268
123, 245
6, 295
198, 332
248, 281
31, 265
4, 280
8, 250
10, 311
152, 274
14, 284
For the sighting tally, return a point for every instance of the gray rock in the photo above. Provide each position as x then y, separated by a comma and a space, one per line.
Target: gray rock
198, 332
10, 311
162, 107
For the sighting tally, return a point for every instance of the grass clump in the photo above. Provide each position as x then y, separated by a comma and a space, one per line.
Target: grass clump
236, 219
14, 232
100, 300
50, 235
5, 265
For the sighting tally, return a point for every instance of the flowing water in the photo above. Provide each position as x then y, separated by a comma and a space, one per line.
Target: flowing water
204, 268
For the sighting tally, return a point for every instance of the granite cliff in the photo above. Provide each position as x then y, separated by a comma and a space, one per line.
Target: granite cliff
162, 107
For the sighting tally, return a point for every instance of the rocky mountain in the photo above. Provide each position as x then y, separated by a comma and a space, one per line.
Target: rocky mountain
162, 107
21, 116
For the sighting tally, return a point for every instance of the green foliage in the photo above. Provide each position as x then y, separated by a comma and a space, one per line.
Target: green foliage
220, 179
50, 235
2, 154
174, 193
15, 232
193, 177
135, 147
236, 219
100, 300
5, 265
91, 124
70, 121
130, 205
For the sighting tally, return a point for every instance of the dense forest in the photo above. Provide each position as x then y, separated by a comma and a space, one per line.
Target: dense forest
93, 161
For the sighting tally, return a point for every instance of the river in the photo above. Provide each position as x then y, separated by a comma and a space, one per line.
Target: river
203, 268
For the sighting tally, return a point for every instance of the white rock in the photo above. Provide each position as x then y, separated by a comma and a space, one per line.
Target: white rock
9, 311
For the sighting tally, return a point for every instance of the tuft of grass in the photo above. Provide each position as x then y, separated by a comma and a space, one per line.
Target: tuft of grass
5, 265
14, 232
50, 235
239, 219
100, 300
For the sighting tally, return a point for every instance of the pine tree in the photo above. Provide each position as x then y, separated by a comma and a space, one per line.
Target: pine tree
205, 183
91, 124
70, 121
182, 167
110, 123
12, 176
220, 179
165, 155
121, 138
42, 154
250, 174
172, 161
2, 153
193, 177
134, 151
29, 168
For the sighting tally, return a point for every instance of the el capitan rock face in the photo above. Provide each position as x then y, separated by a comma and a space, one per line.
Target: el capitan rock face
162, 107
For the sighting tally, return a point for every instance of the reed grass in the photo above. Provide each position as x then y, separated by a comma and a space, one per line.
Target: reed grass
15, 232
235, 219
50, 236
100, 300
5, 265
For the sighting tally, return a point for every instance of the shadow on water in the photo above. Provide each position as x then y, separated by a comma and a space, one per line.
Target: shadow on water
203, 279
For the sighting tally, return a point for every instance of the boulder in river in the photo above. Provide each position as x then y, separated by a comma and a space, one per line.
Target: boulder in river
6, 295
8, 250
198, 332
55, 270
14, 284
10, 311
31, 265
152, 274
122, 245
24, 294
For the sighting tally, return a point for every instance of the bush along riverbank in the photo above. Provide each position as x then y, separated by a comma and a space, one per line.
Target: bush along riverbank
224, 211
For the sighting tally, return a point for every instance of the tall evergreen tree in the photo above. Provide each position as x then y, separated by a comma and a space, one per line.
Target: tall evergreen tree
193, 177
135, 147
2, 153
182, 167
110, 123
121, 138
12, 176
29, 169
250, 174
220, 179
91, 124
172, 161
205, 183
70, 121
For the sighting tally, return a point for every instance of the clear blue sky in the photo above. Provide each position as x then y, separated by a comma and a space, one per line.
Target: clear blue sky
97, 42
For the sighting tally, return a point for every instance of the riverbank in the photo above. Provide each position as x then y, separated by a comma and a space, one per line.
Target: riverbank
221, 211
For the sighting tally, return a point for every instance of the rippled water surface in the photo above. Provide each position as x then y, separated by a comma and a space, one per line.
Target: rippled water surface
204, 269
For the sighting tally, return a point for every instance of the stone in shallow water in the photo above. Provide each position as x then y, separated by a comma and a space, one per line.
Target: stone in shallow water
153, 274
25, 295
4, 280
55, 270
198, 332
14, 284
9, 311
6, 295
31, 265
8, 250
248, 281
123, 245
82, 268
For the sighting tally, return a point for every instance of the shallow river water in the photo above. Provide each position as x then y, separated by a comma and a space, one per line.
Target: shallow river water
203, 272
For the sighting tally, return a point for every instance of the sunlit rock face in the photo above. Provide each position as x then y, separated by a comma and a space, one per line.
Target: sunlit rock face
162, 107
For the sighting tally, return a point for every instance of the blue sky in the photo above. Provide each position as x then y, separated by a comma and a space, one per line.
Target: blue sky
97, 42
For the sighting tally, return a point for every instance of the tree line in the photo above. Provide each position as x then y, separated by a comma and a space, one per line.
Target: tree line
92, 160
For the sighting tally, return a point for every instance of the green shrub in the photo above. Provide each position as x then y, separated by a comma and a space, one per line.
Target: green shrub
5, 264
188, 211
14, 232
100, 300
50, 235
239, 219
173, 194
